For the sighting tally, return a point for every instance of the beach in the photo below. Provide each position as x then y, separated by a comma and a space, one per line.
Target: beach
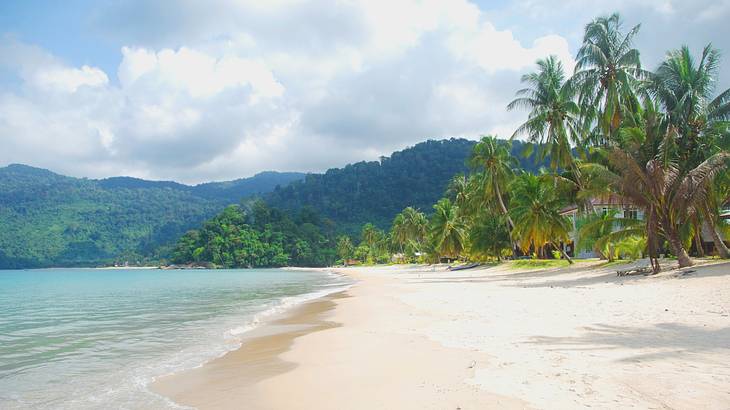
421, 337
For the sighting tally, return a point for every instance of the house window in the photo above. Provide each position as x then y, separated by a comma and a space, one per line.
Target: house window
631, 213
604, 211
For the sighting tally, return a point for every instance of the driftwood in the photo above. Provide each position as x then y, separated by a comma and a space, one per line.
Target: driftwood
639, 270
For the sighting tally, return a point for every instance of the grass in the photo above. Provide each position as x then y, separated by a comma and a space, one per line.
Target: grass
617, 262
538, 263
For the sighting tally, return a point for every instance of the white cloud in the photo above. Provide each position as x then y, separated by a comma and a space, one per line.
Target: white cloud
199, 74
225, 88
69, 79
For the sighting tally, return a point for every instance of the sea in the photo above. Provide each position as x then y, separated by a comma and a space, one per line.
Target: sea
96, 338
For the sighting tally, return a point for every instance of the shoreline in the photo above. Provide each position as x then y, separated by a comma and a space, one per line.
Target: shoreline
414, 337
256, 359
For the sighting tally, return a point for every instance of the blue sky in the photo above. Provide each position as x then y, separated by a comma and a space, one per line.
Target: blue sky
196, 91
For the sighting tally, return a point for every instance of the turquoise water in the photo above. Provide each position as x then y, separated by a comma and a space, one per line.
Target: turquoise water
91, 338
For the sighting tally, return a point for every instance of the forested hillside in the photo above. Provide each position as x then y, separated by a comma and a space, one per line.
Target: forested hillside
48, 219
259, 237
376, 191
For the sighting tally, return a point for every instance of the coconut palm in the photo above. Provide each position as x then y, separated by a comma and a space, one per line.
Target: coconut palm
488, 235
460, 190
685, 88
345, 248
553, 117
495, 164
602, 232
369, 234
535, 209
399, 232
447, 229
416, 225
718, 194
607, 72
668, 197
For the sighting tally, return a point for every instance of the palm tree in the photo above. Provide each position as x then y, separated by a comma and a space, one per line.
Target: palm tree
369, 234
447, 229
535, 208
602, 232
685, 88
719, 193
669, 198
345, 248
460, 191
416, 226
488, 235
553, 119
399, 232
495, 163
608, 70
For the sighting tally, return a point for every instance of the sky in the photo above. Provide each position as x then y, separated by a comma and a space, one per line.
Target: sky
196, 91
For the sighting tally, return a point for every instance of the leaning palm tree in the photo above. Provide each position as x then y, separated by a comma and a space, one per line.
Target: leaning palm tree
553, 118
668, 197
684, 87
607, 74
536, 211
447, 229
718, 194
495, 164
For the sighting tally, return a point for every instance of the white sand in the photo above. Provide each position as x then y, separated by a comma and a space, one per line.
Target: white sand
577, 337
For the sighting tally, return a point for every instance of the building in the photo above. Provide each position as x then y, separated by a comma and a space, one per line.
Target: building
626, 210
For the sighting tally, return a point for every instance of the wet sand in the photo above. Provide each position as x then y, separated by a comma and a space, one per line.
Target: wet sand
228, 381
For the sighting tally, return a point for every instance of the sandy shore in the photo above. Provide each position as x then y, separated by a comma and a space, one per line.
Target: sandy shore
497, 337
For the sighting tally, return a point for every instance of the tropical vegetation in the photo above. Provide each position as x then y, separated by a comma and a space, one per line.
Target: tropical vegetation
653, 143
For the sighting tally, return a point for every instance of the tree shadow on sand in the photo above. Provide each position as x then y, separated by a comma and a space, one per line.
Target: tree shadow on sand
561, 277
671, 339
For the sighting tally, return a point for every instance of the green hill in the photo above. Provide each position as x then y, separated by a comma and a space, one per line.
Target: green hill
376, 191
48, 219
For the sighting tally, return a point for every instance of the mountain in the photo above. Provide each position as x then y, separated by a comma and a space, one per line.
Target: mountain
47, 219
376, 191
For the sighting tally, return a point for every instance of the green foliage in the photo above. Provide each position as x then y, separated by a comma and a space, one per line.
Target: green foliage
535, 210
488, 236
632, 247
447, 229
52, 220
408, 232
262, 237
345, 249
376, 191
601, 232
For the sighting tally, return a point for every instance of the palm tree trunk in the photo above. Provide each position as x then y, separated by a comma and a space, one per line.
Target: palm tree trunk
562, 252
504, 208
722, 250
698, 238
677, 248
651, 241
510, 223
